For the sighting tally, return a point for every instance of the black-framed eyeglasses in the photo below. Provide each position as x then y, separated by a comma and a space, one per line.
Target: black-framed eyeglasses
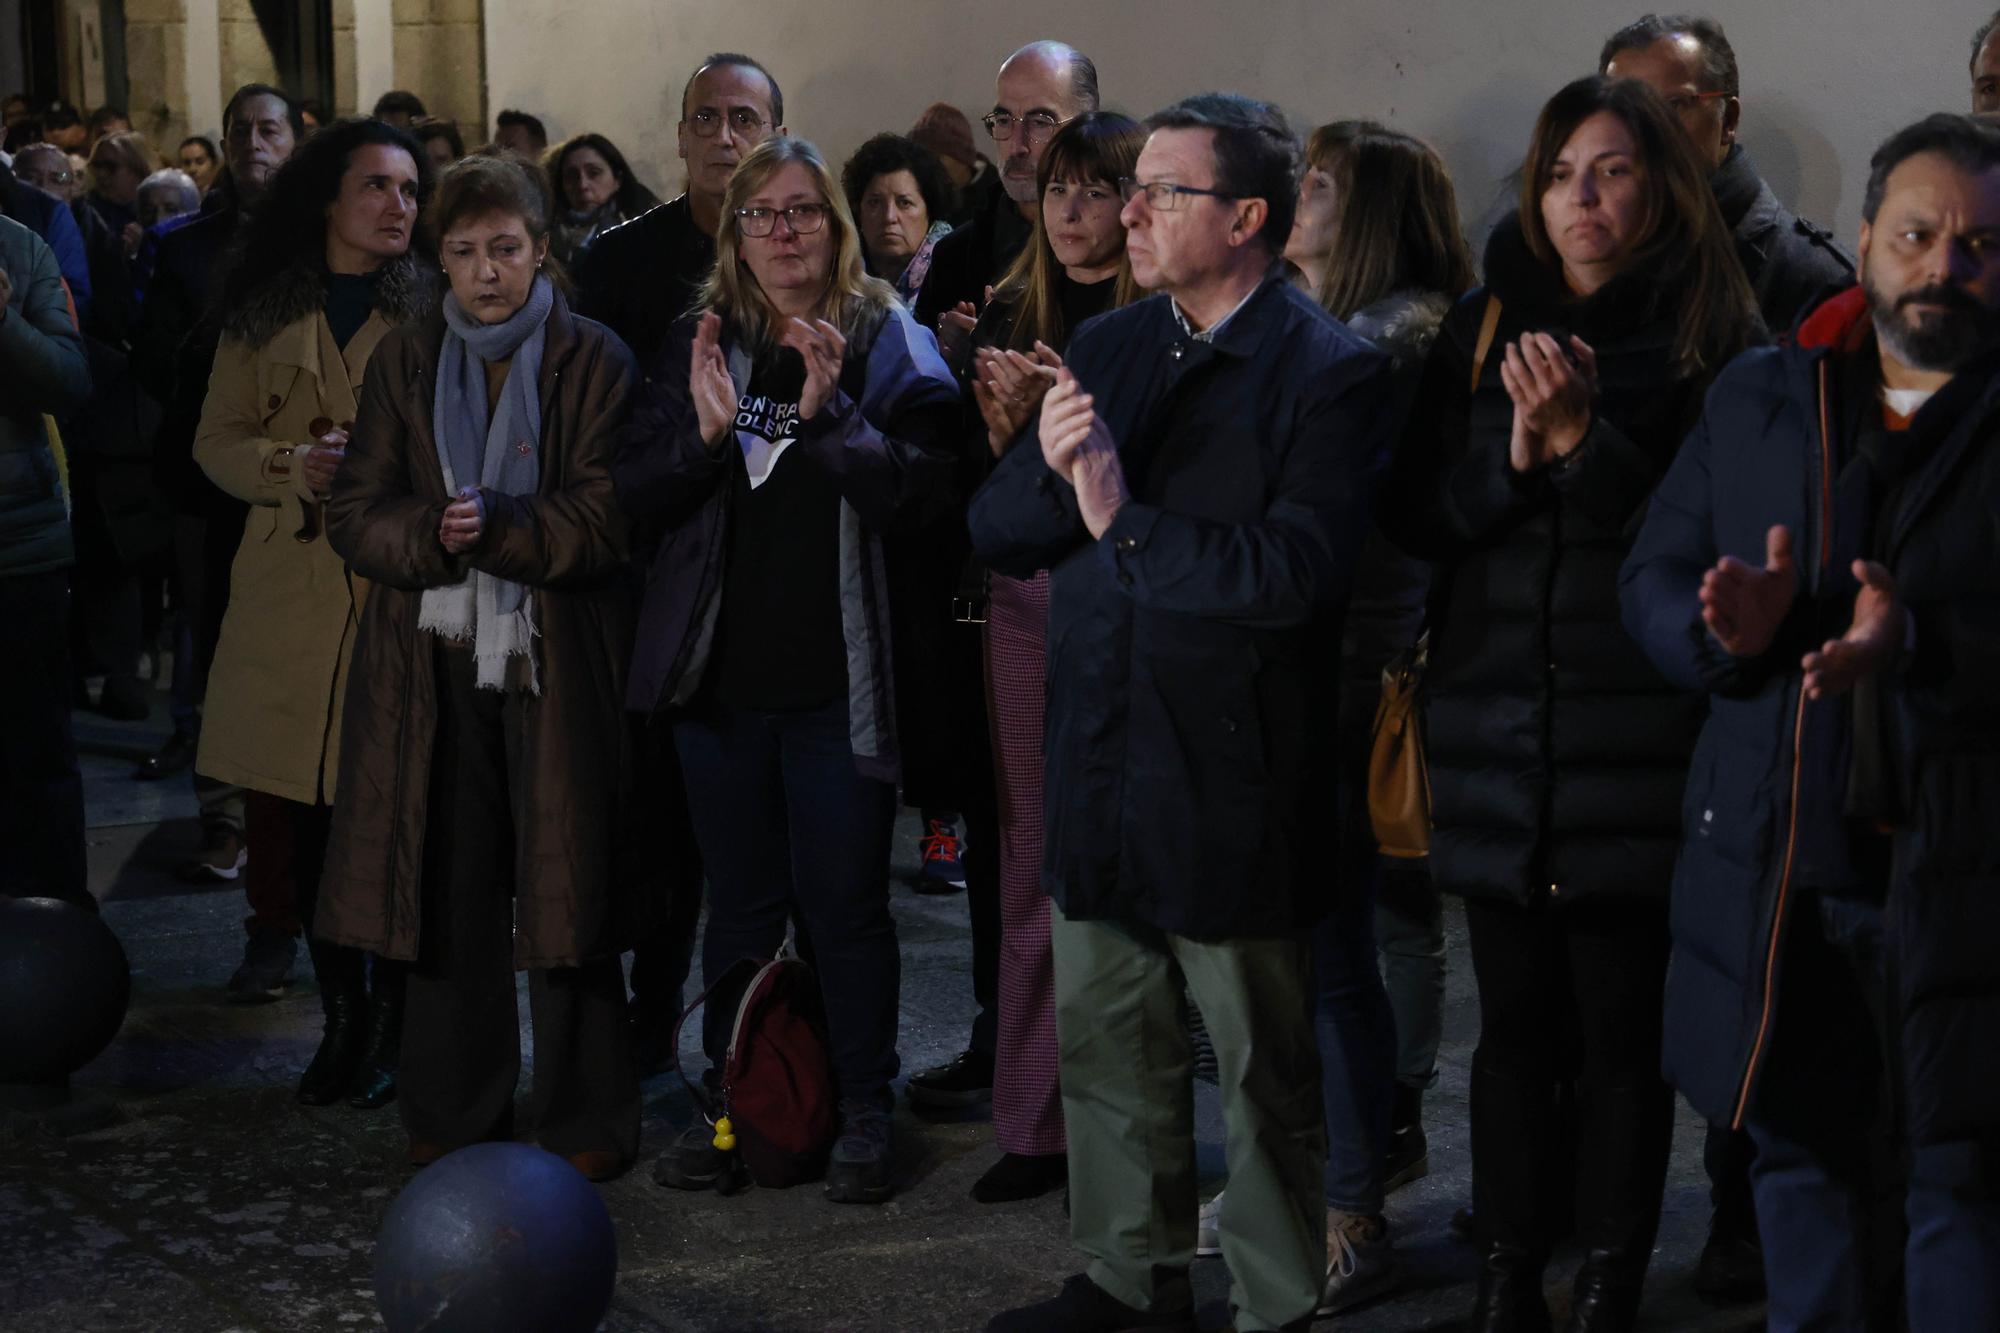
1682, 103
743, 122
1165, 196
803, 219
1038, 125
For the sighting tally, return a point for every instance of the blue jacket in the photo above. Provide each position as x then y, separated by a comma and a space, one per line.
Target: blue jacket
1761, 455
1194, 648
42, 370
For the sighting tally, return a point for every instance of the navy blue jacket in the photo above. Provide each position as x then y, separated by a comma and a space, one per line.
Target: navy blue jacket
1760, 455
1194, 649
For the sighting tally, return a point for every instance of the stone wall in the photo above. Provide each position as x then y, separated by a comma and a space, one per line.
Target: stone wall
156, 72
440, 56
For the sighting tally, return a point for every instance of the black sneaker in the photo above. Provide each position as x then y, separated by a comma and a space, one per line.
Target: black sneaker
1409, 1154
1084, 1307
692, 1161
966, 1080
266, 970
858, 1170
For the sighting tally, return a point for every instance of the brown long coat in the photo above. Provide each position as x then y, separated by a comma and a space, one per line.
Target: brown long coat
567, 542
271, 721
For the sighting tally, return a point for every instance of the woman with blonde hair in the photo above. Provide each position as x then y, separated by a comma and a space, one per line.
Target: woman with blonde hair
794, 419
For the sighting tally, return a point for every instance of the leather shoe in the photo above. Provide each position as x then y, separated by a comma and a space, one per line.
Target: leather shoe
176, 756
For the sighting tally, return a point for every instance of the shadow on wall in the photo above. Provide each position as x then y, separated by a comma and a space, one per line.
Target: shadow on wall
1800, 163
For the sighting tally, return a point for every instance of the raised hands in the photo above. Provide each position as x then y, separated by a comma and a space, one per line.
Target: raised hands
1552, 398
824, 349
1873, 642
1077, 446
709, 384
1743, 605
1008, 386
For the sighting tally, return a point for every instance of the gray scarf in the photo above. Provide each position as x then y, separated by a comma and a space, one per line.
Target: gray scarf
502, 455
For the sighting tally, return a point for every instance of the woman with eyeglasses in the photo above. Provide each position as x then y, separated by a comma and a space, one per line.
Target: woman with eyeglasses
1073, 269
899, 194
1551, 403
789, 425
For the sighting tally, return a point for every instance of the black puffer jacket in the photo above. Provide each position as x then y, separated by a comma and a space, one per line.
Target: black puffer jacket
1557, 752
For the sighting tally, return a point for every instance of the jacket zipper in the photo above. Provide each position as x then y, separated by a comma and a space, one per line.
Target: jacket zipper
1757, 1047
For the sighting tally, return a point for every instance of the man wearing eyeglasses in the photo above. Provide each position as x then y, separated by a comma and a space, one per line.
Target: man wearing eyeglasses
1688, 61
1197, 484
639, 278
1040, 86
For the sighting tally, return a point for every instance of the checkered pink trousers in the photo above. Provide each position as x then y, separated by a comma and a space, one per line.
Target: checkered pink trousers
1027, 1092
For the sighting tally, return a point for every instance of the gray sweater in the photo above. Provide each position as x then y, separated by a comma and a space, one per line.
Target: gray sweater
42, 370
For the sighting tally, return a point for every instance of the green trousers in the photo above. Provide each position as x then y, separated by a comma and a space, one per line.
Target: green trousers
1128, 1103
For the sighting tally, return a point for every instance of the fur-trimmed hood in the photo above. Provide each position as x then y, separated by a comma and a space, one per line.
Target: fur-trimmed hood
1403, 324
404, 290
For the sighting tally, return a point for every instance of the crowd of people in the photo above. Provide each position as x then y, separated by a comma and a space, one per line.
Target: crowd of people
546, 562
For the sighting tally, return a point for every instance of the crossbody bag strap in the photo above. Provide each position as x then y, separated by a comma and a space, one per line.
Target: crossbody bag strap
1489, 324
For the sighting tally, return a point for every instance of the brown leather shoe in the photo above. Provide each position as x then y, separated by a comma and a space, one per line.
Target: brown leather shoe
598, 1164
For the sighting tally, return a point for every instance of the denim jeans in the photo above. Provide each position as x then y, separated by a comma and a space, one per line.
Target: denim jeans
1357, 1048
1829, 1235
786, 825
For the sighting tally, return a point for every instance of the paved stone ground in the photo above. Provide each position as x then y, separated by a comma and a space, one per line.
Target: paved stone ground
217, 1203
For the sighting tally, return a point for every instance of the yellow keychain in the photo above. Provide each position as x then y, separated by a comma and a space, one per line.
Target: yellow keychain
725, 1135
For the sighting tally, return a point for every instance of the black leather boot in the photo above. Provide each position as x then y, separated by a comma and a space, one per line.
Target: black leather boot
375, 1080
1512, 1118
1624, 1133
343, 997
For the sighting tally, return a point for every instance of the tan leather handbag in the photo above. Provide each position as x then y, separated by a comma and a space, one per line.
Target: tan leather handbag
1399, 779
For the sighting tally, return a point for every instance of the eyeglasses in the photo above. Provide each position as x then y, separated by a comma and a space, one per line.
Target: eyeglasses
1680, 103
743, 122
803, 219
42, 180
1165, 196
1038, 125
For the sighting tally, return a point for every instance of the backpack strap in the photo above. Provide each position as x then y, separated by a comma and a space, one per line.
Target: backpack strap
1489, 324
696, 1091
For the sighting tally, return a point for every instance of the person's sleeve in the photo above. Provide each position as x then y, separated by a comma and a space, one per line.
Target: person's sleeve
661, 470
1024, 517
577, 533
380, 527
1660, 584
66, 239
1445, 492
945, 282
230, 444
1299, 557
43, 366
894, 455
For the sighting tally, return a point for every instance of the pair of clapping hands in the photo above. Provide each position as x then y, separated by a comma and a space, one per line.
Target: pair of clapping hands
1744, 607
1010, 387
817, 342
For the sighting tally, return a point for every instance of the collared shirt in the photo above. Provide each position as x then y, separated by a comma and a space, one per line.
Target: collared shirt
1207, 335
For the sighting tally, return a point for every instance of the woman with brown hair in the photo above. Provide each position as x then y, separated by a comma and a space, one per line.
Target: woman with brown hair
483, 757
595, 191
1551, 404
1073, 267
793, 421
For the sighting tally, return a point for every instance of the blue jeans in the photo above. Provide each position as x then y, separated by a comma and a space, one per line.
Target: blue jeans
786, 825
1829, 1239
1357, 1048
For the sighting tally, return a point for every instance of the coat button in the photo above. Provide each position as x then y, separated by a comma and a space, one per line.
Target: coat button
319, 426
1177, 352
1128, 543
274, 402
1229, 725
1555, 890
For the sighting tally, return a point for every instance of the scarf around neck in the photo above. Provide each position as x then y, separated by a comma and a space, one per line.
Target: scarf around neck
499, 452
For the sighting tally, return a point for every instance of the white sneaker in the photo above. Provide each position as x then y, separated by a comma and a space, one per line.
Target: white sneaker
1360, 1263
1207, 1233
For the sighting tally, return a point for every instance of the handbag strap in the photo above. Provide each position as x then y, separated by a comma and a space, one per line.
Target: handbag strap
1489, 324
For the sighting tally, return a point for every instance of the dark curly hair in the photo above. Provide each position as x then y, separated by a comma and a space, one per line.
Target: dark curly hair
289, 225
886, 154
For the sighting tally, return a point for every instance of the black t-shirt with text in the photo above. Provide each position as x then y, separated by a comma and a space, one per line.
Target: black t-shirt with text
780, 643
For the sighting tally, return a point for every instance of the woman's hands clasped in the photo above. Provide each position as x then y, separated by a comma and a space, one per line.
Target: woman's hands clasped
1553, 391
1009, 387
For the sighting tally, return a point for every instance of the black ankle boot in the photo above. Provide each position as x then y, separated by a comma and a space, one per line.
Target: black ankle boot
344, 1000
1624, 1132
1409, 1155
1510, 1292
375, 1079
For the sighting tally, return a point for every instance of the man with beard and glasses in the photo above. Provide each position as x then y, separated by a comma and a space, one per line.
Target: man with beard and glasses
1822, 560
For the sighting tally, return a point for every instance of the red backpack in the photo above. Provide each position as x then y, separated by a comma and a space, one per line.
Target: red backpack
777, 1093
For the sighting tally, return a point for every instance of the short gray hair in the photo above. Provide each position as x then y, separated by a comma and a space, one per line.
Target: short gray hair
187, 195
1082, 69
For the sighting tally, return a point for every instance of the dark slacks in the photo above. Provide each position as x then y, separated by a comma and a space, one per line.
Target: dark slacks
787, 826
461, 1028
671, 873
41, 791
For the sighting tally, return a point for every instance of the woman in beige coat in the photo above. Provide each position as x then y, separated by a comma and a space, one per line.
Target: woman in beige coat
325, 272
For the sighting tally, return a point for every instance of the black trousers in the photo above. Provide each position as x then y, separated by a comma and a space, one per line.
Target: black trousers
41, 791
461, 1027
670, 872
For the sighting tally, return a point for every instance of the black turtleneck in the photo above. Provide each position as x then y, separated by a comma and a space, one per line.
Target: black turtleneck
349, 299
